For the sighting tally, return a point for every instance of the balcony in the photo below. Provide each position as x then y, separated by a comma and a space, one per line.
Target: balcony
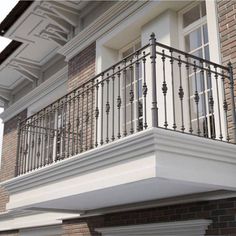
157, 124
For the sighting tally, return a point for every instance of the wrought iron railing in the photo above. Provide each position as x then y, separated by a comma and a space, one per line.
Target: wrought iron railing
157, 86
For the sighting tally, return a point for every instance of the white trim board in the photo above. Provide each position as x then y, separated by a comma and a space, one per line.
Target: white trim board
15, 220
112, 17
178, 228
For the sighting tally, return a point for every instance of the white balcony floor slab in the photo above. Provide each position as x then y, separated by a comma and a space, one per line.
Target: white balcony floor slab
150, 165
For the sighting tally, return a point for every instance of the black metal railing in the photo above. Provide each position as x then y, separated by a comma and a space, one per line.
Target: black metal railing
156, 86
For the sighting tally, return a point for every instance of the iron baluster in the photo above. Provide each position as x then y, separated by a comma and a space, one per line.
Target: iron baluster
87, 118
17, 172
118, 103
91, 116
73, 124
33, 144
137, 64
131, 96
225, 106
218, 103
46, 137
145, 90
39, 144
57, 142
181, 94
189, 96
102, 93
77, 122
205, 131
211, 103
43, 137
125, 81
36, 142
107, 108
82, 122
173, 89
113, 104
69, 127
196, 98
23, 147
26, 148
164, 88
51, 132
96, 114
64, 114
29, 147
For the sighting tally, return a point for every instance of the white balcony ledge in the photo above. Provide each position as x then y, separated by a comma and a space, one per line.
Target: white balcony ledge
150, 165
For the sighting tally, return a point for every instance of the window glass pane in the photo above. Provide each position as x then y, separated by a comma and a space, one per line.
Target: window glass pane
191, 16
200, 83
205, 34
207, 53
203, 8
193, 40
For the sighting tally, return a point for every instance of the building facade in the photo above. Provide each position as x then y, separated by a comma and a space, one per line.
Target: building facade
119, 118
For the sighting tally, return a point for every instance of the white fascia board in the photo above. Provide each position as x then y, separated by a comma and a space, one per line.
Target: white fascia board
178, 228
163, 144
16, 220
136, 145
42, 90
110, 19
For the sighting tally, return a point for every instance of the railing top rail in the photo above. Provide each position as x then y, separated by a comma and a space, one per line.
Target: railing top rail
137, 52
89, 81
192, 56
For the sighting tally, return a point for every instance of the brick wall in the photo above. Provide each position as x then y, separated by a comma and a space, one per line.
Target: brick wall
221, 212
81, 68
8, 161
227, 29
9, 233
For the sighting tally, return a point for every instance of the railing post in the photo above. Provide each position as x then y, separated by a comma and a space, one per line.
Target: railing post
153, 77
232, 99
18, 146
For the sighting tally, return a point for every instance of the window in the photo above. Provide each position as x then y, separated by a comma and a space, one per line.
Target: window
132, 86
196, 42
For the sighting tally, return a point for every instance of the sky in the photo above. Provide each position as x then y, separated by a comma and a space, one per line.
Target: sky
6, 6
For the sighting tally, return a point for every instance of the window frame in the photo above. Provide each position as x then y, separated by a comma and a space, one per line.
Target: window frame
183, 31
136, 119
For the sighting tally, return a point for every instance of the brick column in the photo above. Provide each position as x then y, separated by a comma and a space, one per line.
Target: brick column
8, 161
227, 30
81, 68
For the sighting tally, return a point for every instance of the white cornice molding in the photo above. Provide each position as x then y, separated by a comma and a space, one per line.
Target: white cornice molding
152, 140
111, 18
15, 220
177, 228
39, 92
